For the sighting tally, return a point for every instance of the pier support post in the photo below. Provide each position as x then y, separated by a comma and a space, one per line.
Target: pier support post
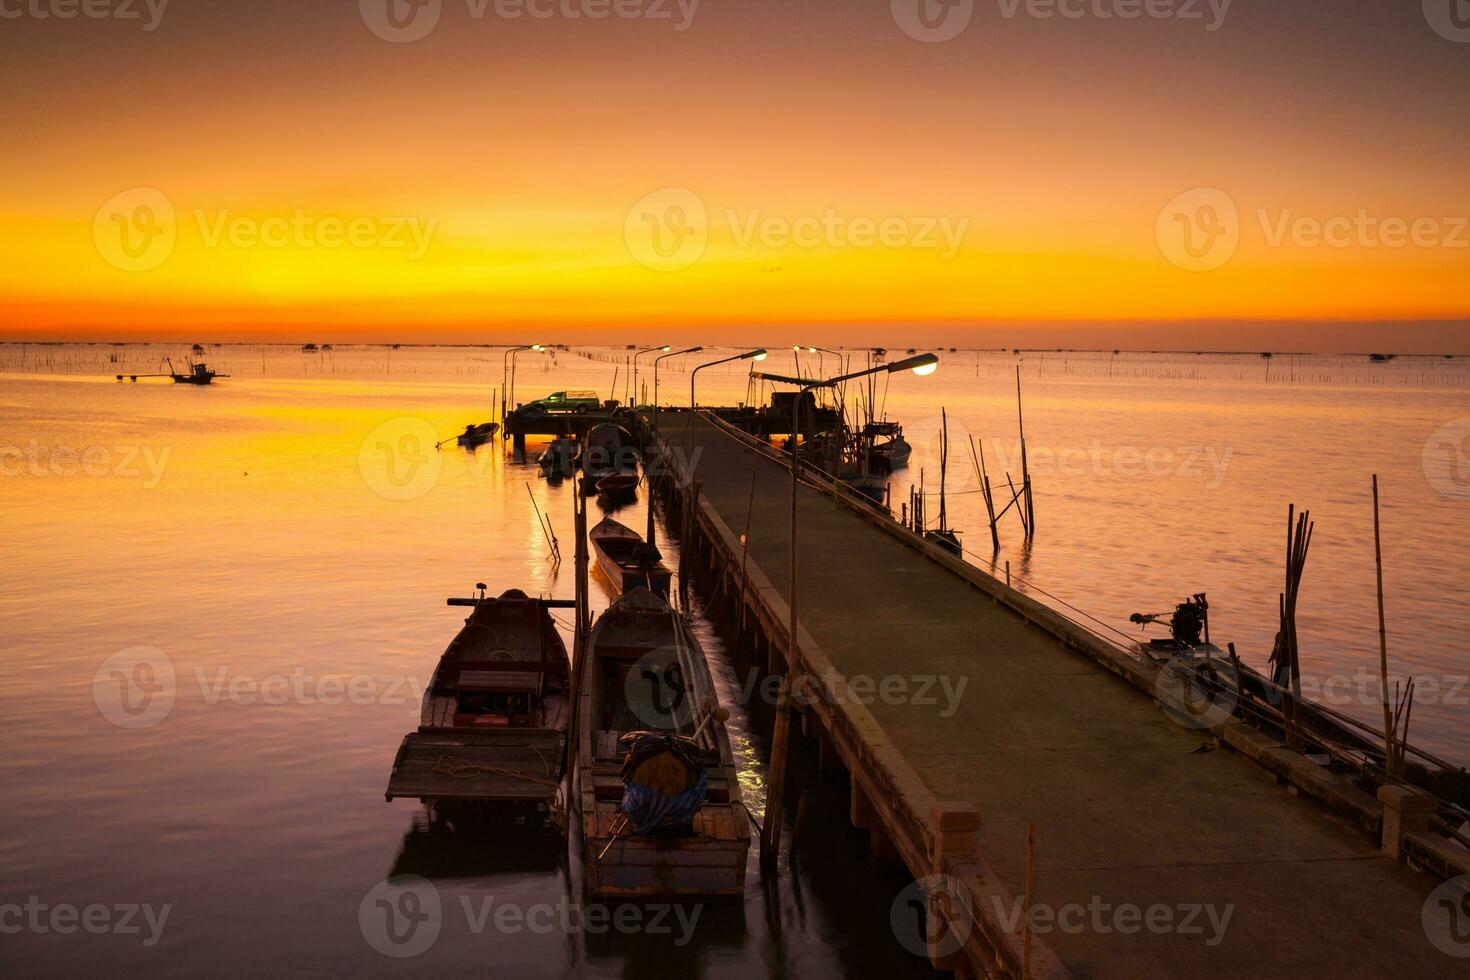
1405, 811
955, 826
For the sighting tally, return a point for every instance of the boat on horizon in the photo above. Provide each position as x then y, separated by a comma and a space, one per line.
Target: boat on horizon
656, 781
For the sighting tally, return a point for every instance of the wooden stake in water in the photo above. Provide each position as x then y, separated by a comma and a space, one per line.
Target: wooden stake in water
1388, 752
545, 526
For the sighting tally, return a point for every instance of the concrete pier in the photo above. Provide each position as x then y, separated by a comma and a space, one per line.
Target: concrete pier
1160, 850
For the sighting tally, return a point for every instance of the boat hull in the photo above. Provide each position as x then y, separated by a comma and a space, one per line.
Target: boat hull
610, 542
639, 641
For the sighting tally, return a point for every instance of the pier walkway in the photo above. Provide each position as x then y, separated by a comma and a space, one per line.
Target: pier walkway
1131, 811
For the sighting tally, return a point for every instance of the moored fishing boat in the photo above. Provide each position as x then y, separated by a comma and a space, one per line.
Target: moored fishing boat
627, 560
608, 450
618, 486
656, 778
477, 435
890, 454
493, 723
559, 459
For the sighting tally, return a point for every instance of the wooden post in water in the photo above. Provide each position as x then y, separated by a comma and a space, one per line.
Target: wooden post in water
978, 458
583, 622
1025, 469
1388, 751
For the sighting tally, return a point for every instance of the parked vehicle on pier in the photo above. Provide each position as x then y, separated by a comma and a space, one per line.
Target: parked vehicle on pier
564, 401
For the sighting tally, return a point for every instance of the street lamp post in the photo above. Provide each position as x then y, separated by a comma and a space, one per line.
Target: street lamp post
665, 348
750, 355
687, 350
505, 380
538, 348
921, 364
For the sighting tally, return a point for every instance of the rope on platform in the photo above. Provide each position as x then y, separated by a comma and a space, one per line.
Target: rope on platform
445, 766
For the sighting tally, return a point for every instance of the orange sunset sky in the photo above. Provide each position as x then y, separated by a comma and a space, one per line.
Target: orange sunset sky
281, 170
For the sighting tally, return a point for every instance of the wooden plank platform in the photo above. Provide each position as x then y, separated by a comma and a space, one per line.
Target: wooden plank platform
1130, 810
506, 765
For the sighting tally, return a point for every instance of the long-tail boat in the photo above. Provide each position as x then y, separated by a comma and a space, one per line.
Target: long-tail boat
656, 780
477, 435
493, 724
627, 560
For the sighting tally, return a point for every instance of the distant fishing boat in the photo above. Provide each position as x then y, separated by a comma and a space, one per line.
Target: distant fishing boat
656, 778
493, 724
627, 560
309, 348
198, 374
477, 435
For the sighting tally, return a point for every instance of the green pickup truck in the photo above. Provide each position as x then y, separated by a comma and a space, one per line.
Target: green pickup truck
565, 401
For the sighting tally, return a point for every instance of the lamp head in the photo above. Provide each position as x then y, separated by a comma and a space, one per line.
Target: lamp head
920, 364
537, 347
666, 348
755, 355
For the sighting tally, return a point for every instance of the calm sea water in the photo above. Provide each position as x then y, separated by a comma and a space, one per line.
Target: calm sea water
285, 539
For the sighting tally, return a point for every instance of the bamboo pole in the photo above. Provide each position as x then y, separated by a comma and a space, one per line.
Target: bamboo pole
1388, 732
1025, 469
978, 458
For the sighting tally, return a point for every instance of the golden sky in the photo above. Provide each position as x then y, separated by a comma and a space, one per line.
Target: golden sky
281, 170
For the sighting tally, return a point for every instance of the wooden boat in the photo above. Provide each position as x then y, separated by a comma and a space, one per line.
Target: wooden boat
477, 435
890, 454
494, 719
646, 679
198, 374
558, 459
627, 560
608, 450
618, 486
